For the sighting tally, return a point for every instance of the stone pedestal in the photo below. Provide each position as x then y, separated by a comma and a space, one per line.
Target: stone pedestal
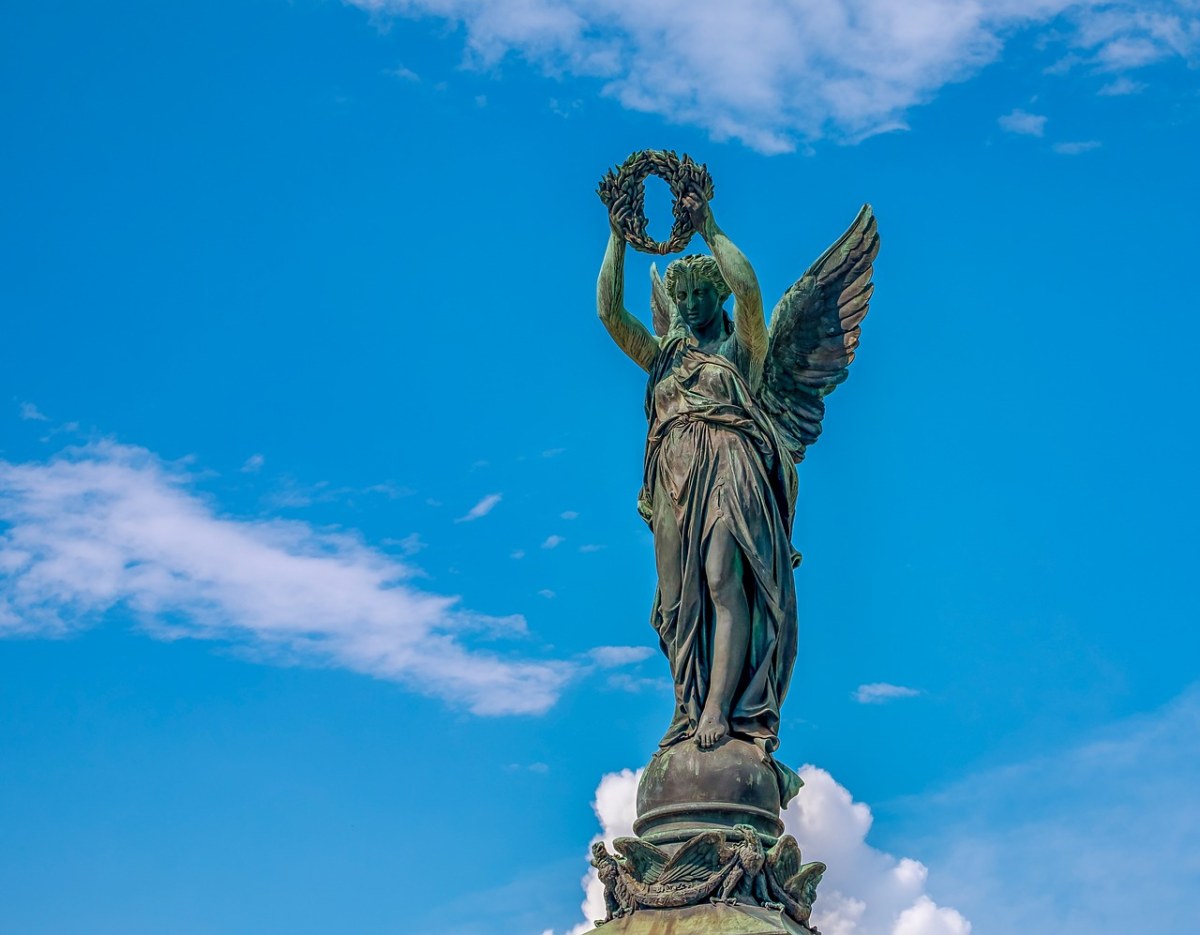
704, 920
686, 790
709, 856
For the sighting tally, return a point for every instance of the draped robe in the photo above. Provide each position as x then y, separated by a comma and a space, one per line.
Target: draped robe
713, 458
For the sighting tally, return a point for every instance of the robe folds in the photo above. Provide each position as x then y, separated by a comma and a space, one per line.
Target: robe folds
713, 459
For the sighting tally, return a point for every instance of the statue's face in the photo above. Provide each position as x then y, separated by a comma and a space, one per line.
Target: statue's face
698, 301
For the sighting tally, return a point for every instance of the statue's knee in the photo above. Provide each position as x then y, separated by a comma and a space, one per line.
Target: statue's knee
724, 581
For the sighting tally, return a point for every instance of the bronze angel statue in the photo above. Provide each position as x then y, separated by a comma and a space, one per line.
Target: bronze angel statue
732, 405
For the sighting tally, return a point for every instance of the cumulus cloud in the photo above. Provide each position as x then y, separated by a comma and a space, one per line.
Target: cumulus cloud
865, 891
771, 72
1024, 123
879, 692
482, 508
111, 526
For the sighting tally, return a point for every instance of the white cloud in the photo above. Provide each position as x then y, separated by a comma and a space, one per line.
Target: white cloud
553, 542
865, 891
482, 508
547, 594
30, 413
770, 72
404, 74
1054, 844
110, 526
1044, 843
608, 657
635, 685
1074, 149
568, 514
253, 464
1024, 123
517, 553
409, 545
1122, 86
590, 547
879, 692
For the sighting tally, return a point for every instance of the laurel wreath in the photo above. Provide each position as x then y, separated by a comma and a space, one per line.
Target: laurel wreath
623, 191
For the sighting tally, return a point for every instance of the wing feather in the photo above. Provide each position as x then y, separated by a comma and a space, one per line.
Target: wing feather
696, 861
644, 859
660, 303
815, 331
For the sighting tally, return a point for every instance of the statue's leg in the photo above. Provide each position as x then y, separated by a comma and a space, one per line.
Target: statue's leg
668, 556
724, 570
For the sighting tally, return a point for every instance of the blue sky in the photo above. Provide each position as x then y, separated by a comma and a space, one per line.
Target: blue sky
323, 598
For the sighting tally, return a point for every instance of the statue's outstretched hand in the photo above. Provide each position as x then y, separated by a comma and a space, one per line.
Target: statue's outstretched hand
697, 209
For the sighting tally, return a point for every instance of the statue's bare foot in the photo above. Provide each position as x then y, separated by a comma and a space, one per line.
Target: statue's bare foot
712, 729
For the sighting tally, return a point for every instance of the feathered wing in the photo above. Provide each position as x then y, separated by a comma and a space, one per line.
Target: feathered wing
783, 859
698, 860
660, 303
814, 331
645, 861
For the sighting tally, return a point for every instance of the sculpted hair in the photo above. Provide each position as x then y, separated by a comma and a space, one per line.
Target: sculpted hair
702, 267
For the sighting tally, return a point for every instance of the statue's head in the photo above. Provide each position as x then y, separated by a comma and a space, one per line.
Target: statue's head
599, 851
697, 288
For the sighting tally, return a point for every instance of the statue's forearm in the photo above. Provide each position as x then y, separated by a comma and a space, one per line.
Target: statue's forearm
610, 287
748, 317
629, 333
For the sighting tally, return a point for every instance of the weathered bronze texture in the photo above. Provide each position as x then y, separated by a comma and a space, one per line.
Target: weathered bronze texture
732, 406
730, 869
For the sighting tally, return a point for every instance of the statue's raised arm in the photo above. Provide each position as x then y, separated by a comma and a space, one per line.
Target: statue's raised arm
748, 322
731, 406
630, 334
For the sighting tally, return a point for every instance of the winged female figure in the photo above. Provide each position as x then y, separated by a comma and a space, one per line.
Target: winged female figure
732, 405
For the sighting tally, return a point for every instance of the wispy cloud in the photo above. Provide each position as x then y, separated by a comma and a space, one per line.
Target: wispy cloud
403, 73
1074, 149
1024, 123
879, 692
409, 545
110, 526
253, 464
568, 514
482, 508
30, 413
611, 656
778, 71
553, 542
1121, 87
1115, 812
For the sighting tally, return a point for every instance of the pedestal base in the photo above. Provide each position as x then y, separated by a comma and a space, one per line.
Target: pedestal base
685, 791
703, 920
